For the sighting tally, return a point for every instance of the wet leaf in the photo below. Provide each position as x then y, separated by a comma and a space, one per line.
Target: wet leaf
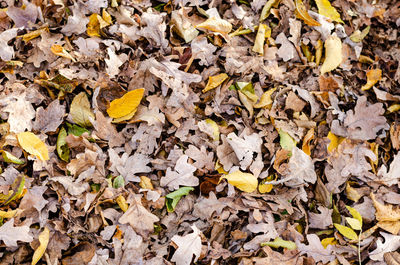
326, 9
215, 81
302, 13
80, 110
174, 197
243, 181
333, 54
43, 240
33, 145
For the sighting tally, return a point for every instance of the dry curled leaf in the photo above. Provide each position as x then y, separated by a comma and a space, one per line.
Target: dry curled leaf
302, 13
373, 76
43, 240
216, 25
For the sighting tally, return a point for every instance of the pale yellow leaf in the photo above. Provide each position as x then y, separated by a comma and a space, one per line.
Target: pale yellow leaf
328, 241
354, 223
215, 129
260, 39
302, 13
356, 215
215, 81
44, 241
9, 214
243, 181
60, 51
346, 231
326, 9
126, 105
80, 110
333, 54
373, 76
216, 25
265, 100
33, 145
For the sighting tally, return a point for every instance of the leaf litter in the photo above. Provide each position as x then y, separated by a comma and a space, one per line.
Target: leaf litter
207, 132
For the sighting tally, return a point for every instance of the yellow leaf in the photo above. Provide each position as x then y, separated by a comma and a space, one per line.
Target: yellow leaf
352, 193
394, 108
335, 141
33, 34
328, 241
301, 12
265, 100
260, 39
44, 241
33, 145
346, 231
93, 27
106, 17
145, 183
214, 81
373, 76
264, 187
385, 212
122, 203
9, 214
333, 54
356, 215
215, 129
306, 141
216, 25
326, 9
60, 51
354, 223
80, 110
243, 181
126, 105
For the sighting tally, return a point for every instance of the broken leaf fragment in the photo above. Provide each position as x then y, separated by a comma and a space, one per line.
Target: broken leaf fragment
80, 110
302, 13
173, 198
243, 181
333, 54
33, 145
60, 51
215, 81
373, 76
216, 25
326, 9
125, 107
44, 241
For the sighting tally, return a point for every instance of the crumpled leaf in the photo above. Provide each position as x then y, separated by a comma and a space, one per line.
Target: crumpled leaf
80, 110
48, 120
245, 147
188, 246
10, 234
326, 9
243, 181
216, 25
392, 243
301, 12
210, 127
333, 54
373, 76
44, 240
125, 107
387, 217
390, 177
33, 145
174, 197
215, 81
60, 51
182, 175
267, 9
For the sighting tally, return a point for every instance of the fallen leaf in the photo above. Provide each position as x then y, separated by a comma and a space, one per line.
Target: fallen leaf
315, 249
125, 107
33, 145
10, 234
216, 25
333, 54
43, 240
61, 145
188, 246
60, 51
301, 12
373, 76
392, 243
181, 175
243, 181
279, 242
215, 81
260, 39
267, 9
174, 197
326, 9
80, 110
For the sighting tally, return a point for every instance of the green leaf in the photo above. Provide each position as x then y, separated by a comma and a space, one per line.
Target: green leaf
76, 130
279, 242
174, 197
354, 223
118, 182
10, 158
62, 147
286, 141
17, 188
336, 218
80, 110
346, 231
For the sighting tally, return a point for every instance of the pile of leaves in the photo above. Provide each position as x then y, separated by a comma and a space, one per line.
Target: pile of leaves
199, 131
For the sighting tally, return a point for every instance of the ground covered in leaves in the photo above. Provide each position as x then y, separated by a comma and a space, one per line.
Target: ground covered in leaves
197, 131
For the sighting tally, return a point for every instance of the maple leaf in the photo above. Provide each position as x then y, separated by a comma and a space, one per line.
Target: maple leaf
182, 175
10, 234
188, 246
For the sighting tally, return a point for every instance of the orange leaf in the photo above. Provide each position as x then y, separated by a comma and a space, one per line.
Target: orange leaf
301, 12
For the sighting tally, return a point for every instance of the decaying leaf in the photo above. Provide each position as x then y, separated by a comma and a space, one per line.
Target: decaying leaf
60, 51
188, 246
392, 243
333, 54
181, 175
243, 181
33, 145
315, 249
216, 25
10, 234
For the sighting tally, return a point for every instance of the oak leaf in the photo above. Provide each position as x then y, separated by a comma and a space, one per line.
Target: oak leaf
188, 246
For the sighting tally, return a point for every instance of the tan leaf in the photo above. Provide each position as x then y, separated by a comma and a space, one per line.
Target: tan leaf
215, 81
80, 110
